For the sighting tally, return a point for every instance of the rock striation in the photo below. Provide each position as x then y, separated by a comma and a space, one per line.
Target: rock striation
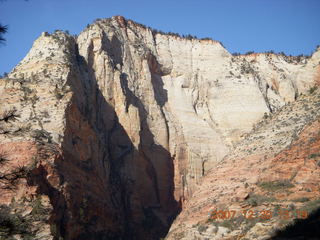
106, 135
274, 169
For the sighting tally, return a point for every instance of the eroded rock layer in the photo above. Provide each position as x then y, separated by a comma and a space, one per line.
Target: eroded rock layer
270, 180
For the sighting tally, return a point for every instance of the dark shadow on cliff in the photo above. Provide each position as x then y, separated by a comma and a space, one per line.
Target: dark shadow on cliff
154, 153
160, 94
39, 177
308, 228
113, 49
103, 192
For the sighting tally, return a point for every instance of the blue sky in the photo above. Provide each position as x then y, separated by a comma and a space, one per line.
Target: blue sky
292, 26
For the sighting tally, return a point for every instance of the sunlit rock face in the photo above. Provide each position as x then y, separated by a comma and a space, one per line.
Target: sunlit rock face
115, 127
270, 178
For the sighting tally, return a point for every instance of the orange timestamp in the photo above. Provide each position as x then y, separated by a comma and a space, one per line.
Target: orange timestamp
262, 214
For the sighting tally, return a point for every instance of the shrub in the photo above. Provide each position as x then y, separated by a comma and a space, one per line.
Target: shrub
275, 185
26, 90
314, 155
311, 206
202, 228
190, 37
235, 223
206, 38
270, 52
173, 34
253, 202
11, 224
313, 89
9, 115
41, 135
45, 114
11, 178
227, 224
255, 199
3, 158
58, 93
5, 75
249, 52
276, 210
38, 211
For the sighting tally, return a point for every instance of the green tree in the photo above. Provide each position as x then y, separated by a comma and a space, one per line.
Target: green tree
3, 30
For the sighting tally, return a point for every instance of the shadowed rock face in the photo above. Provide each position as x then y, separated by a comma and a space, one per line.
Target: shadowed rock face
106, 136
105, 185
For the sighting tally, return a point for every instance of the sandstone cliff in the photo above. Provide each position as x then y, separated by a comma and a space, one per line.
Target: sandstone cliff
107, 134
275, 169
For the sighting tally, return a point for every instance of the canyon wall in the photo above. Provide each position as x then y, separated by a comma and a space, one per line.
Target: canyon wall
267, 182
112, 130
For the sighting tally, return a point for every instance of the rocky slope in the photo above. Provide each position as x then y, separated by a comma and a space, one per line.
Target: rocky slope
276, 168
107, 134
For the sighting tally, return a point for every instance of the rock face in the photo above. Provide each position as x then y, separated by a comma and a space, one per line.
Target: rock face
108, 134
276, 168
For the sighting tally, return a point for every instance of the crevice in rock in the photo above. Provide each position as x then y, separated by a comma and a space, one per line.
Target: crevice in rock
38, 176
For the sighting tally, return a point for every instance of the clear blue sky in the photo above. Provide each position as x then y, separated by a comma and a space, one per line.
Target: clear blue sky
292, 26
